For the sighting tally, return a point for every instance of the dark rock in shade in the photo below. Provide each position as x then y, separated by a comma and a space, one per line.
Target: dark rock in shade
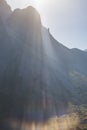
78, 128
84, 121
39, 77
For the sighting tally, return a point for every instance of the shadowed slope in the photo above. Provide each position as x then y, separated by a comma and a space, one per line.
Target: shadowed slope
39, 76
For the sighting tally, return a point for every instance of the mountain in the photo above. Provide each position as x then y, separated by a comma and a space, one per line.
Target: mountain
39, 77
85, 50
5, 10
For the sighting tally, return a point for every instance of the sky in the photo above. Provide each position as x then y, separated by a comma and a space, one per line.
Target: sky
67, 19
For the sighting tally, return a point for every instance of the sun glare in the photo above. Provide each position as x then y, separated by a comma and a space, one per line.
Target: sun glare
24, 3
41, 5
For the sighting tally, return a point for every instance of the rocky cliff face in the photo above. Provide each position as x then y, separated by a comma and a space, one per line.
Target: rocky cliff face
39, 77
5, 10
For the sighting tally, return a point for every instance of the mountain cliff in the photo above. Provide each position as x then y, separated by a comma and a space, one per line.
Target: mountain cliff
5, 10
39, 76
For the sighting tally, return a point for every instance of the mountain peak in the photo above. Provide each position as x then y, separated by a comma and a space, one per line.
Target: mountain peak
30, 10
5, 10
4, 5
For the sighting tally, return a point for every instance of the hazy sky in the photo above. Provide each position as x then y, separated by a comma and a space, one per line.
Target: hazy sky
67, 19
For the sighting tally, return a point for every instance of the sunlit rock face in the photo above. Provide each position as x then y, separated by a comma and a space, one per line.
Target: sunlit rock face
39, 77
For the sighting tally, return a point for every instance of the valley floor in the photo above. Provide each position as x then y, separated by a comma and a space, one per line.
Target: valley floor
65, 122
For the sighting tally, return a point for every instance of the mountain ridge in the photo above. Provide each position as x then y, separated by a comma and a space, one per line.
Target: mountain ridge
39, 76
